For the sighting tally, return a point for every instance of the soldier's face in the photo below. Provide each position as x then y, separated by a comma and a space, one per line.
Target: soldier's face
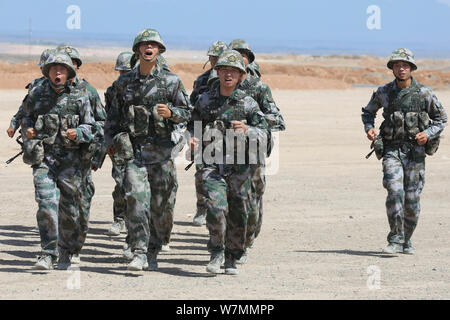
58, 74
402, 70
213, 60
229, 76
149, 50
75, 64
244, 55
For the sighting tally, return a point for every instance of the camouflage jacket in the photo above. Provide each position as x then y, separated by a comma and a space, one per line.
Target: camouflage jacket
15, 120
72, 110
253, 69
415, 98
98, 148
260, 91
200, 86
160, 87
215, 111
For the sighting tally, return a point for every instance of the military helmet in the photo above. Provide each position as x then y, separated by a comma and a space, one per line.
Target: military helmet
123, 62
59, 58
44, 56
254, 69
402, 54
216, 48
241, 45
148, 35
71, 52
231, 58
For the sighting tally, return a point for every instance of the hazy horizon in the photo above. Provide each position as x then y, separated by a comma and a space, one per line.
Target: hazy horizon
295, 27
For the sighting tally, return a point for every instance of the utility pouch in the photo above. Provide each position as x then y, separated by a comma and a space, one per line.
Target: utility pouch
412, 124
378, 146
33, 151
47, 127
123, 145
68, 122
424, 121
387, 129
398, 121
138, 119
432, 145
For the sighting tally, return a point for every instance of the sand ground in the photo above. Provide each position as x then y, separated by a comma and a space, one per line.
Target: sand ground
324, 225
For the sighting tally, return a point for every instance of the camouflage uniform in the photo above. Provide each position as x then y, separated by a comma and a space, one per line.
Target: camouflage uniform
202, 85
261, 93
123, 63
15, 120
150, 176
406, 112
226, 186
56, 160
94, 154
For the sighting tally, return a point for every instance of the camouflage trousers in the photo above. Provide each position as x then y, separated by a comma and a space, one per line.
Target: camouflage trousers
227, 205
87, 192
201, 201
150, 192
119, 203
404, 179
255, 215
58, 197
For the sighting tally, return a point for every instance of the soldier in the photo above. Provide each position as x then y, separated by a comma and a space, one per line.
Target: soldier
15, 120
413, 121
226, 183
123, 65
201, 85
178, 130
262, 94
141, 127
58, 121
94, 156
251, 65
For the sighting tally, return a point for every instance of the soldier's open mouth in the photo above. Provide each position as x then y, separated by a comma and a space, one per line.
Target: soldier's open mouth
57, 80
148, 54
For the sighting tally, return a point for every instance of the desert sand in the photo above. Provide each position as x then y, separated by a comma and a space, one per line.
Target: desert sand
324, 224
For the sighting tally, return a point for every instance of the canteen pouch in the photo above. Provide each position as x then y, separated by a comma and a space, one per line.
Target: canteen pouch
412, 124
378, 146
123, 145
68, 122
47, 127
397, 119
387, 130
424, 121
33, 151
432, 145
138, 120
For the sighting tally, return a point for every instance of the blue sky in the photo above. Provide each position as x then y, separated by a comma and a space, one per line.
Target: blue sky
320, 26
